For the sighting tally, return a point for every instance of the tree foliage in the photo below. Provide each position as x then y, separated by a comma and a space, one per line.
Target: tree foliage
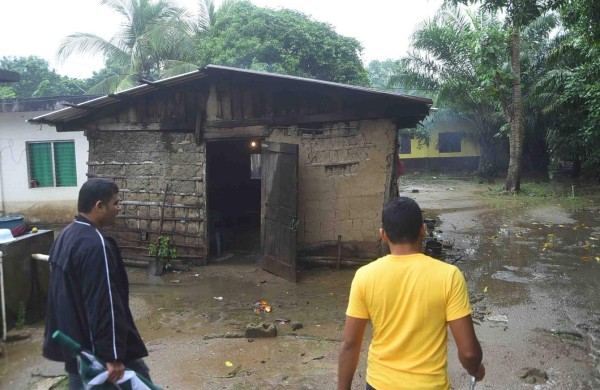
282, 41
381, 72
451, 58
570, 92
155, 35
36, 79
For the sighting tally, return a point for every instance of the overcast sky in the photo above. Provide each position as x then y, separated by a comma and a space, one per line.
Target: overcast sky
36, 27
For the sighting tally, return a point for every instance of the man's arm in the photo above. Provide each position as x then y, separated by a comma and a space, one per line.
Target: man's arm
354, 331
469, 350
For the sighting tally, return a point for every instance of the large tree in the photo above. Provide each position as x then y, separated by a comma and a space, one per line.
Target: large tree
450, 61
381, 72
37, 79
152, 34
283, 41
570, 92
518, 13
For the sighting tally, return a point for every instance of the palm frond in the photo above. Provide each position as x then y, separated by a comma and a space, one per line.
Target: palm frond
106, 86
174, 68
84, 43
129, 81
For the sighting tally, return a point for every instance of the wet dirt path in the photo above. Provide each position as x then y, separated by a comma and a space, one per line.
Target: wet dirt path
534, 270
531, 270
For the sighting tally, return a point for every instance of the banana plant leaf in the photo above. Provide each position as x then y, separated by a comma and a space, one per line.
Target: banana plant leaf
93, 371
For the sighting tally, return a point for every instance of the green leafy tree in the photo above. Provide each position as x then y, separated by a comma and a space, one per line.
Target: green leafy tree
518, 13
282, 41
155, 36
570, 91
450, 62
7, 93
535, 48
380, 72
36, 79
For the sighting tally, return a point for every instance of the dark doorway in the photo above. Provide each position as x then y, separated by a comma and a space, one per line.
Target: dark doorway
233, 201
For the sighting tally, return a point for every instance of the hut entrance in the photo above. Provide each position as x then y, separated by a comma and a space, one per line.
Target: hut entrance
233, 191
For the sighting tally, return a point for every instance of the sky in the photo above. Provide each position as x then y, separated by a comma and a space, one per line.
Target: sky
36, 27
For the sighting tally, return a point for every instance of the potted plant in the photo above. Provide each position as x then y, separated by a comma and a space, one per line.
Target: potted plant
163, 251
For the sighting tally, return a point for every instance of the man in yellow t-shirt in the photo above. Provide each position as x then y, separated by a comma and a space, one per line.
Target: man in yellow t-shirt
409, 298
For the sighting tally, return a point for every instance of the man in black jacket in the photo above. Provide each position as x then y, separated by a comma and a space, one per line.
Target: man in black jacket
88, 298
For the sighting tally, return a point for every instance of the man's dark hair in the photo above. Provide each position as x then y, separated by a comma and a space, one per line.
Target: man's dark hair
95, 190
402, 220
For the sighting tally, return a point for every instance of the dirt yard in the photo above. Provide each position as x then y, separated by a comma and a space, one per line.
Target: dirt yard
532, 266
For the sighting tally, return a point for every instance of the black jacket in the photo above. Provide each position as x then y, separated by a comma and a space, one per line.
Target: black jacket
88, 298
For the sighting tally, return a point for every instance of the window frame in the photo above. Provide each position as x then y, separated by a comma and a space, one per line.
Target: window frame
52, 143
445, 147
405, 140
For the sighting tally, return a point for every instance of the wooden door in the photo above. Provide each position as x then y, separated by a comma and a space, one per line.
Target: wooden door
279, 197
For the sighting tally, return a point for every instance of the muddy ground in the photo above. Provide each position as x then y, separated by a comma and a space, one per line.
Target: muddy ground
532, 266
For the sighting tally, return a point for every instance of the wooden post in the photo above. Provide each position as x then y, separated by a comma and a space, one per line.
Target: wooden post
162, 211
155, 268
339, 257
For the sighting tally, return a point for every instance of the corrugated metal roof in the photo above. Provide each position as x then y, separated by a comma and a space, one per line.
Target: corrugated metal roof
80, 110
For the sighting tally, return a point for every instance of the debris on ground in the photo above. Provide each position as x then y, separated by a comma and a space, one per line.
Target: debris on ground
533, 375
281, 321
498, 318
261, 307
260, 330
51, 382
296, 326
315, 358
218, 298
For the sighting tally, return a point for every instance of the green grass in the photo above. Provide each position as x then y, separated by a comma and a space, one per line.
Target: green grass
533, 194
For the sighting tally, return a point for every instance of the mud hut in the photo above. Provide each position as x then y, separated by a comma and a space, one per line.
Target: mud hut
229, 159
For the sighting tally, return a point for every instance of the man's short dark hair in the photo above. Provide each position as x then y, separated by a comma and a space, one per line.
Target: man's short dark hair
402, 220
95, 190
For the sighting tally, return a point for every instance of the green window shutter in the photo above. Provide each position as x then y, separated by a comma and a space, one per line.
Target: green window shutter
40, 163
64, 162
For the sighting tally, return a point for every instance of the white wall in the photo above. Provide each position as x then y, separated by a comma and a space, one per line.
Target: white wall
48, 204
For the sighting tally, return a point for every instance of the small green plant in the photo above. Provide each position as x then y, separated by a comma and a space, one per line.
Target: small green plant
20, 315
163, 250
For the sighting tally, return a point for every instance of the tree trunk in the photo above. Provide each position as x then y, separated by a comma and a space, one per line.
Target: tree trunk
517, 130
487, 159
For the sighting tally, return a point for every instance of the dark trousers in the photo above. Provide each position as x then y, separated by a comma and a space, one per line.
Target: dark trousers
137, 365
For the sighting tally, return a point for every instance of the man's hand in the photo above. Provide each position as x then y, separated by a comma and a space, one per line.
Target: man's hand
115, 371
469, 350
354, 331
480, 373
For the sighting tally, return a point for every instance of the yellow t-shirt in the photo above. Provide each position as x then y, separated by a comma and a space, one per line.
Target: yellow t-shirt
409, 299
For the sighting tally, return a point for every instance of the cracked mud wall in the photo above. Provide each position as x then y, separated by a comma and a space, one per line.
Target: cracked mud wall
143, 163
342, 172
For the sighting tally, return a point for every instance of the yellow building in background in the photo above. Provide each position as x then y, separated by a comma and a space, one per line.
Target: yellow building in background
452, 145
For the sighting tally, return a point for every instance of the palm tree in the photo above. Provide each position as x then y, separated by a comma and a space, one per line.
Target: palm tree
449, 58
154, 37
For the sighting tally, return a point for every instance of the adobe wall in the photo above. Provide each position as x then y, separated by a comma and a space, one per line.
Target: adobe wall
142, 163
342, 174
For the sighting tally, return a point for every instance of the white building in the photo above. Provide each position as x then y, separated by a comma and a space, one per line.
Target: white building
41, 169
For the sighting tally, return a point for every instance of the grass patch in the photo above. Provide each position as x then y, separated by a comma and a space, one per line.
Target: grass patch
533, 194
